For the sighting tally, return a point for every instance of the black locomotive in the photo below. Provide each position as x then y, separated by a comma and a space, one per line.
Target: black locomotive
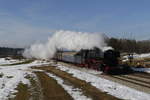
106, 61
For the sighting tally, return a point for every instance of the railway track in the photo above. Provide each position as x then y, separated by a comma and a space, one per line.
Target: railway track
139, 81
134, 80
142, 74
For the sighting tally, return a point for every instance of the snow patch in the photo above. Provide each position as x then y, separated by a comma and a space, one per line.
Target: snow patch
147, 70
136, 56
110, 87
4, 61
11, 76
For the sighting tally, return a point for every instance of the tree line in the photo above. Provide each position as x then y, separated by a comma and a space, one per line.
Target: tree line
129, 45
122, 45
5, 51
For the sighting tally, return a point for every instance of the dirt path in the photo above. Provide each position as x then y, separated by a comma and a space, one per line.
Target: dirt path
50, 88
23, 92
87, 88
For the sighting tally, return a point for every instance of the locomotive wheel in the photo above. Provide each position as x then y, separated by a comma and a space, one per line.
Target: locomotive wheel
101, 67
106, 69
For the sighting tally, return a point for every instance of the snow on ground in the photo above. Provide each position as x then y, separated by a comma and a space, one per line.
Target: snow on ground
87, 70
136, 56
11, 76
146, 55
147, 70
9, 81
91, 71
8, 61
110, 87
74, 92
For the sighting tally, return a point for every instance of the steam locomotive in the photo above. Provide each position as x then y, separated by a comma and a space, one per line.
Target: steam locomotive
106, 61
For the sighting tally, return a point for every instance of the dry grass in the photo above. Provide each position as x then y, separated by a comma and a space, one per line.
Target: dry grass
139, 62
51, 89
143, 62
26, 92
35, 89
23, 92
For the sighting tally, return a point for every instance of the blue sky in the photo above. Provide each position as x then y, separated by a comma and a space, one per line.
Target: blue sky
23, 22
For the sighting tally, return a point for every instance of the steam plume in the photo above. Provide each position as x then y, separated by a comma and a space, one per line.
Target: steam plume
69, 40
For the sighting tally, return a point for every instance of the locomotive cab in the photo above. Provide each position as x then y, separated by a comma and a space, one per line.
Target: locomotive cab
111, 61
111, 58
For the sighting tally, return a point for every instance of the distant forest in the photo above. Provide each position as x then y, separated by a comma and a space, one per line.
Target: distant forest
129, 45
122, 45
4, 51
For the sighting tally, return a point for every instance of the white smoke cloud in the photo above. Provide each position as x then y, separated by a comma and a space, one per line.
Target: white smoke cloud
69, 40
